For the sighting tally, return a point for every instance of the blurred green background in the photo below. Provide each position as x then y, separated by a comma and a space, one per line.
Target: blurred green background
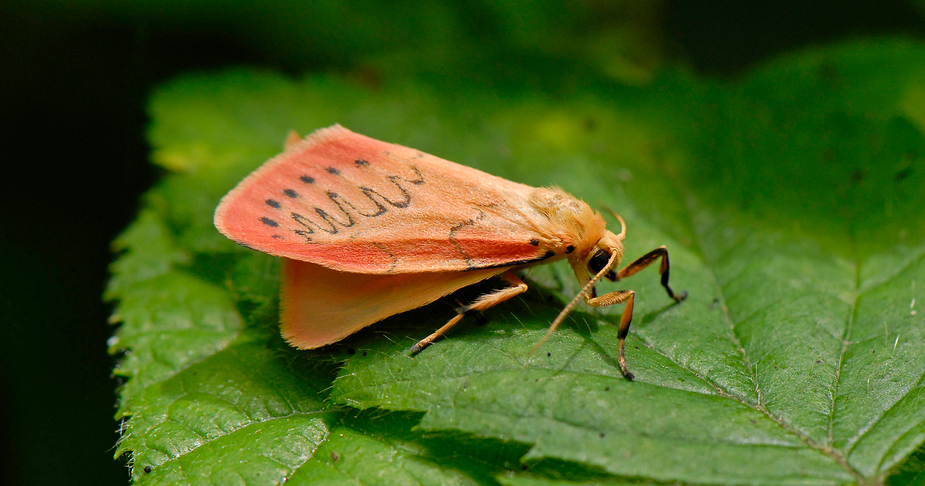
76, 78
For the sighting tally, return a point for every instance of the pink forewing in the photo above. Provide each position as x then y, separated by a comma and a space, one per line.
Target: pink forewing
355, 204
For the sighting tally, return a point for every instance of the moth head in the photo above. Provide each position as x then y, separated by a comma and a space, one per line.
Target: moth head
605, 256
601, 257
600, 261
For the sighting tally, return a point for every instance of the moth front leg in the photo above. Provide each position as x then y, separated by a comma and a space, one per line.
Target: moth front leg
614, 298
482, 303
646, 260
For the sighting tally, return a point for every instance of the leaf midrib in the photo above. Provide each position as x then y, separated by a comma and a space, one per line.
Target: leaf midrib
708, 266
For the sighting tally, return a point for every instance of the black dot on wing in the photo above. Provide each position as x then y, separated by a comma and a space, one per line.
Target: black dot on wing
269, 222
291, 193
332, 170
307, 179
273, 203
362, 163
535, 242
569, 249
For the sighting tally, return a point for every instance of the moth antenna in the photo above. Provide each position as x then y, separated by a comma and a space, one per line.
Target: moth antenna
622, 234
568, 308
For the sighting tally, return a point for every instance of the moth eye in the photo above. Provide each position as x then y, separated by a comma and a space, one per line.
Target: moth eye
598, 262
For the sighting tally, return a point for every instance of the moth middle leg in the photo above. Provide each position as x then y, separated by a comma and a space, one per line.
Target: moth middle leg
482, 303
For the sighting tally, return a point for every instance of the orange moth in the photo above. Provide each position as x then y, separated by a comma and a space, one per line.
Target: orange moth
369, 229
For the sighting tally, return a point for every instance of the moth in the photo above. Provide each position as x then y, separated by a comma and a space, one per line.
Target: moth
369, 229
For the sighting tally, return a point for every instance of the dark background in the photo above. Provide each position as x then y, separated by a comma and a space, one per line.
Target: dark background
74, 163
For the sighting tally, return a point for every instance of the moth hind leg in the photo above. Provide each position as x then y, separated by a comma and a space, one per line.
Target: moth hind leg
480, 304
664, 269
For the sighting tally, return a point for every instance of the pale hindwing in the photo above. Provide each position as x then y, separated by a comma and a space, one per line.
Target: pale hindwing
352, 203
320, 306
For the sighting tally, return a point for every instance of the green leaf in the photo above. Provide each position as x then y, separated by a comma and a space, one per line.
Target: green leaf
789, 203
241, 406
383, 449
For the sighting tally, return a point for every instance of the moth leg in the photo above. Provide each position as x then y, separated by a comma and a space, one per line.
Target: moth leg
613, 298
482, 303
628, 296
646, 260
